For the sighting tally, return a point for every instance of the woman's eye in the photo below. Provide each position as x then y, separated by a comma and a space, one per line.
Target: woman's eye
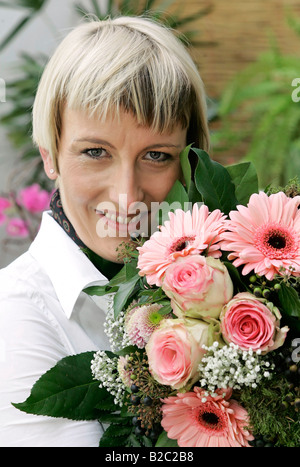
95, 153
156, 156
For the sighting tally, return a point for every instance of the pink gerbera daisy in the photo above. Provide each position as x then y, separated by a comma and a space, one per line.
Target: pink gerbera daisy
197, 420
184, 234
265, 235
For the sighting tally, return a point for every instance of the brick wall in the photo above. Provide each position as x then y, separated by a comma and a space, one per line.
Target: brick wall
241, 29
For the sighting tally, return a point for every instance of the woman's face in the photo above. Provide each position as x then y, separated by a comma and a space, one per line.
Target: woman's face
111, 171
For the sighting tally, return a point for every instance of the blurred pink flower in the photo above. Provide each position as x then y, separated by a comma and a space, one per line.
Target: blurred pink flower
186, 233
265, 235
4, 204
2, 218
16, 227
34, 199
195, 419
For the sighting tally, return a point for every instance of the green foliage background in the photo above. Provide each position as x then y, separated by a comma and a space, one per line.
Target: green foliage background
260, 95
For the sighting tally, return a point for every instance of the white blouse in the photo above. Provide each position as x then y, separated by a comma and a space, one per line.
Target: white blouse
45, 316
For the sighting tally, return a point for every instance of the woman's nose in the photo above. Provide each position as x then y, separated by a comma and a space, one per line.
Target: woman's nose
126, 189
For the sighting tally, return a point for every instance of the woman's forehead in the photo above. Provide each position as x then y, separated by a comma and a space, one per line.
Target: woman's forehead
87, 123
78, 127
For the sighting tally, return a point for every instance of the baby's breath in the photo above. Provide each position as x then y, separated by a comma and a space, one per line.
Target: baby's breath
105, 370
232, 367
114, 328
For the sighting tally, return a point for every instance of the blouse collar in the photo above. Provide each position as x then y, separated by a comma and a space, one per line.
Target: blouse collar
68, 268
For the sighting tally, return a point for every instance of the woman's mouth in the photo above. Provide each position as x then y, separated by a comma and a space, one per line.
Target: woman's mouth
113, 217
120, 224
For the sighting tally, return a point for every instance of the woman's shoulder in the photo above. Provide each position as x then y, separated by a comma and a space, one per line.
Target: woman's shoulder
26, 316
21, 277
24, 287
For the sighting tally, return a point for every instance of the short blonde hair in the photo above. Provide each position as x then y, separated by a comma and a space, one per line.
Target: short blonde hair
129, 63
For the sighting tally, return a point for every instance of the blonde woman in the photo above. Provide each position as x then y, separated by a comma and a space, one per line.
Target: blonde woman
117, 103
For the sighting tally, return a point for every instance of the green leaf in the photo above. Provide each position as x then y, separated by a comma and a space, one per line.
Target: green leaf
133, 441
177, 198
96, 8
9, 5
30, 4
119, 433
33, 5
165, 310
118, 278
147, 442
99, 290
113, 418
214, 183
186, 166
14, 32
67, 390
235, 277
126, 273
244, 177
126, 351
177, 194
194, 195
289, 299
123, 294
106, 405
110, 438
130, 269
165, 442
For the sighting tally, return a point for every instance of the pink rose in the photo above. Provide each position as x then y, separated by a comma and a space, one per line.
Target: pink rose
175, 350
249, 323
198, 286
34, 199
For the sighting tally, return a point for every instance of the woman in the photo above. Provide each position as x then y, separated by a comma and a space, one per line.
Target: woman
117, 103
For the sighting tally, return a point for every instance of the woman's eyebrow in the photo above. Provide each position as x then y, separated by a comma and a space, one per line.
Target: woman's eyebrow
93, 141
102, 141
163, 145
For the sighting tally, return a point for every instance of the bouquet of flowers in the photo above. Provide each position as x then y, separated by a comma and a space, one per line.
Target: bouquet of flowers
203, 324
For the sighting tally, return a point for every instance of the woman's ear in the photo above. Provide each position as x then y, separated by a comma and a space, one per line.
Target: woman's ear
48, 164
